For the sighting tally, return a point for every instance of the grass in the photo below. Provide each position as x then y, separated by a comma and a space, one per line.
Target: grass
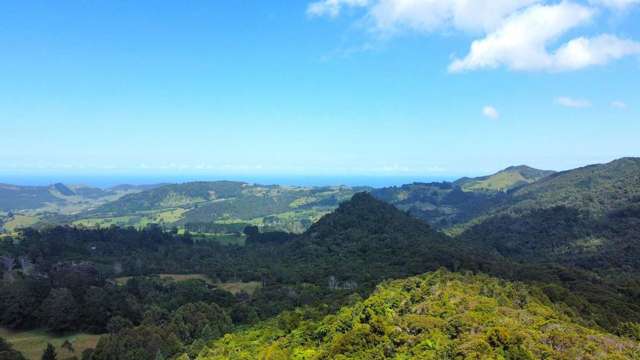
233, 287
102, 222
32, 343
498, 182
170, 216
176, 277
224, 239
20, 221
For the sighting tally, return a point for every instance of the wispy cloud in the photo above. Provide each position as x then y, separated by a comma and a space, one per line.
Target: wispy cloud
520, 35
616, 4
490, 112
618, 104
572, 103
332, 8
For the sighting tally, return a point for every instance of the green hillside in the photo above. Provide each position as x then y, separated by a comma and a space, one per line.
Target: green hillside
587, 217
23, 206
440, 204
219, 207
504, 180
595, 188
561, 312
439, 315
445, 204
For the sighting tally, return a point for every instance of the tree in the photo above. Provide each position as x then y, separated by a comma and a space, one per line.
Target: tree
8, 353
49, 353
87, 354
139, 343
59, 310
117, 324
199, 320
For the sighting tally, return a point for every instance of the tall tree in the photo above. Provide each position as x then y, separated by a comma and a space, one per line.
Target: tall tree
49, 353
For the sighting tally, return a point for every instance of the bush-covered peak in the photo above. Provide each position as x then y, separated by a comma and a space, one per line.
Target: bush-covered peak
439, 315
364, 211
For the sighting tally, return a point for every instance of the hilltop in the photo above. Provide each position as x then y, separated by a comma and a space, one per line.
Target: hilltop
586, 217
221, 206
504, 180
432, 316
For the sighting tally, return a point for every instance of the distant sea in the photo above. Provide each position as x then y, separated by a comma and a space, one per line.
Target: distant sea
105, 181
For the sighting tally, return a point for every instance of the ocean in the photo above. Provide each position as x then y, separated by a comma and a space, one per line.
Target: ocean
105, 181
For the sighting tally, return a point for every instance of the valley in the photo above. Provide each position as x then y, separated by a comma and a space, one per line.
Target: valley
522, 264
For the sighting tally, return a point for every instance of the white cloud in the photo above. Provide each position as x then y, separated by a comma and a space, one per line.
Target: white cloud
572, 103
521, 35
521, 42
616, 4
430, 15
582, 52
490, 112
332, 8
618, 104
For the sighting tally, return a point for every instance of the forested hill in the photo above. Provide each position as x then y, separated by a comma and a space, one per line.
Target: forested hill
447, 204
365, 241
595, 188
440, 315
587, 217
504, 180
221, 207
56, 278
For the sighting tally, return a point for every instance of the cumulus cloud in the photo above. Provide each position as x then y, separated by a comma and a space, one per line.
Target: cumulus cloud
618, 104
582, 52
572, 103
519, 47
490, 112
430, 15
522, 35
332, 8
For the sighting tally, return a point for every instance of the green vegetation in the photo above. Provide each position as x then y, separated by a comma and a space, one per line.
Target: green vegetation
560, 257
32, 343
238, 287
220, 207
596, 188
504, 180
439, 315
175, 277
442, 205
18, 221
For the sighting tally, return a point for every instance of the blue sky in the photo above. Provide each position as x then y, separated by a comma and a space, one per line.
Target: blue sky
333, 87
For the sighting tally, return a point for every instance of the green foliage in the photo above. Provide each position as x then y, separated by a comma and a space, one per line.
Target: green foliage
508, 179
139, 343
440, 204
59, 311
199, 321
222, 207
432, 316
49, 353
630, 330
8, 353
117, 324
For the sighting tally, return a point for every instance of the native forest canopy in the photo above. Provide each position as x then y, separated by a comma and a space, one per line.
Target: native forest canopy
521, 264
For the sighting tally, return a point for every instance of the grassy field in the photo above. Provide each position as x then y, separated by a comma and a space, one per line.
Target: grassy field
20, 221
220, 238
233, 287
497, 182
32, 343
177, 277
